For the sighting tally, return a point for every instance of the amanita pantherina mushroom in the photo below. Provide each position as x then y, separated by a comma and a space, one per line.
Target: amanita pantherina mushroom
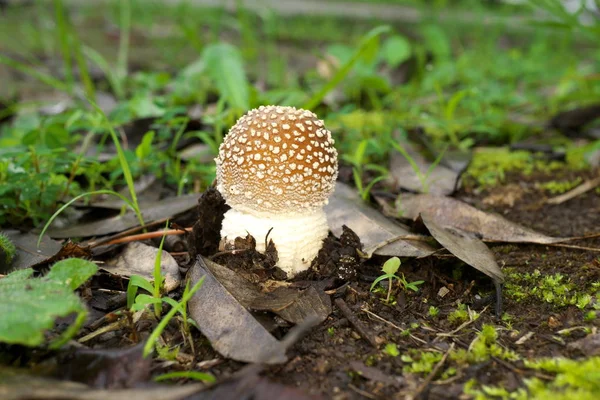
276, 169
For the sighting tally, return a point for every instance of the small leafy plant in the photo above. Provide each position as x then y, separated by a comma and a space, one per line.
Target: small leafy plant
390, 267
30, 306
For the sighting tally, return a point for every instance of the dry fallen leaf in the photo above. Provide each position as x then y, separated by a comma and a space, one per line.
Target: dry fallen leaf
230, 328
291, 304
164, 208
374, 229
446, 211
466, 247
29, 255
21, 385
138, 259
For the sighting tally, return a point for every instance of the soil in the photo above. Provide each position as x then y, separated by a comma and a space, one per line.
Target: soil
323, 361
337, 360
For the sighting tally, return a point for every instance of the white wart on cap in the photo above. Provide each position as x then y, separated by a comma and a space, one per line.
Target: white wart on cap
276, 168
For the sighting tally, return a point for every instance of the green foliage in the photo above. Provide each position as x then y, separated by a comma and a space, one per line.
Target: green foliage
391, 350
225, 67
177, 307
139, 301
420, 362
30, 306
574, 379
556, 289
366, 50
7, 251
559, 187
32, 181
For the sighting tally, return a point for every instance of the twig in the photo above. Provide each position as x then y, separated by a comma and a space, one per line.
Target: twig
362, 330
572, 246
392, 325
362, 392
128, 232
148, 235
432, 374
571, 194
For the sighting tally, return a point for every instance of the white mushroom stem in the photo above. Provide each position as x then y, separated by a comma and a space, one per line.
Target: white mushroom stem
297, 237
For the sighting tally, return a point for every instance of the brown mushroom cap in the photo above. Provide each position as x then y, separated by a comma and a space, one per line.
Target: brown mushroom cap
277, 160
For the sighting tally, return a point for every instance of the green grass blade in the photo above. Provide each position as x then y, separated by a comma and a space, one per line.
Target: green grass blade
164, 322
125, 28
123, 161
32, 72
102, 63
64, 41
198, 376
74, 199
225, 67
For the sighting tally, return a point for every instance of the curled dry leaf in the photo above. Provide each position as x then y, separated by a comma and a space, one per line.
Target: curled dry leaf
375, 231
230, 328
105, 368
446, 211
21, 385
29, 255
466, 247
161, 209
138, 259
293, 305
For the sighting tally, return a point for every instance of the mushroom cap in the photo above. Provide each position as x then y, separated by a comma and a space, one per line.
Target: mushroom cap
277, 160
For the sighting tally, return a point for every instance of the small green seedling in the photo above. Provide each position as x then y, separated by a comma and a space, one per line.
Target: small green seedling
390, 267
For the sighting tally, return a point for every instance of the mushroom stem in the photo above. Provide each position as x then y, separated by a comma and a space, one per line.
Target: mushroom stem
298, 238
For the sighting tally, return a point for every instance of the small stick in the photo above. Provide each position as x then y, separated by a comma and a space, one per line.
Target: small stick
148, 235
571, 194
128, 232
362, 330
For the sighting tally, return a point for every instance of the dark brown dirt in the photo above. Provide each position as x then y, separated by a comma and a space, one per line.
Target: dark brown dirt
341, 360
323, 362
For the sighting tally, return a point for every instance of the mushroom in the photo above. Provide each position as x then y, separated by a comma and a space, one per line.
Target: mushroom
276, 169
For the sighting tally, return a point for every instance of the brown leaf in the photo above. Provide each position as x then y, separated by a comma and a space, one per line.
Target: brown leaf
446, 211
230, 328
374, 229
29, 255
138, 259
106, 368
466, 247
21, 385
588, 346
164, 208
291, 304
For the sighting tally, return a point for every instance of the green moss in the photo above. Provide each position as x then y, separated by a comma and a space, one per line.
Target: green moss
420, 362
490, 166
573, 380
460, 315
558, 187
391, 350
482, 348
7, 251
556, 289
